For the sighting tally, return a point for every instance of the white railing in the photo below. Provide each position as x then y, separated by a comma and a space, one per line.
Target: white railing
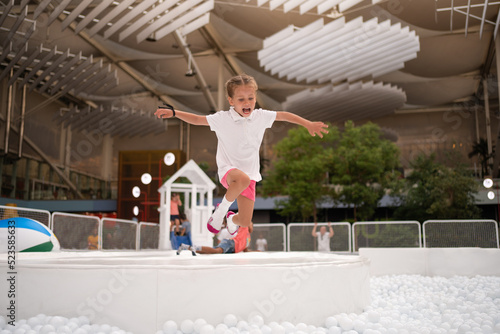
119, 234
300, 237
274, 234
42, 216
481, 233
386, 234
148, 236
73, 230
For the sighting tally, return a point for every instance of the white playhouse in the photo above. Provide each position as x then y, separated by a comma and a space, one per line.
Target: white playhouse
197, 204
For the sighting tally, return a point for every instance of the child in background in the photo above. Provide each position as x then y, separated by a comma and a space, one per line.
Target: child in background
239, 131
93, 240
175, 220
237, 244
185, 225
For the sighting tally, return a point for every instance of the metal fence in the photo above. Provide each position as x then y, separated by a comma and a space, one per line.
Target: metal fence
460, 233
272, 237
148, 236
386, 234
119, 234
77, 232
42, 216
300, 237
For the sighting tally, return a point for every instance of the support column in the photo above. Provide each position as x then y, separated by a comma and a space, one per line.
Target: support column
487, 118
13, 179
496, 160
221, 89
27, 179
21, 125
107, 157
10, 104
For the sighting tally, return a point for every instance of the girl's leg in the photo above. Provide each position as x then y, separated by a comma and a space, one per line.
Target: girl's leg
245, 211
209, 250
237, 181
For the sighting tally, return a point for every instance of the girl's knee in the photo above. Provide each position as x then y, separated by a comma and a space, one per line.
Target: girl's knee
241, 178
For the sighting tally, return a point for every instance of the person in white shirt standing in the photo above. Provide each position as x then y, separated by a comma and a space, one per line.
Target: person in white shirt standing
239, 131
261, 243
323, 237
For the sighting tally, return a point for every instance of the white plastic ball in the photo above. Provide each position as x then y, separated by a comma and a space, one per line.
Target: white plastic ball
221, 328
334, 330
242, 325
301, 327
277, 329
207, 329
33, 321
230, 320
373, 316
346, 323
80, 331
170, 327
58, 321
359, 326
105, 328
331, 322
187, 326
64, 330
257, 320
266, 329
46, 329
288, 326
255, 331
198, 323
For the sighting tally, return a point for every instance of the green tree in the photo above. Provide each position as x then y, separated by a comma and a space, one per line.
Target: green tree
300, 172
363, 168
434, 191
480, 149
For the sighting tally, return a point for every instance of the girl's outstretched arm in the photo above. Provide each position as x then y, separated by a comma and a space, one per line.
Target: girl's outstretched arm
314, 128
182, 115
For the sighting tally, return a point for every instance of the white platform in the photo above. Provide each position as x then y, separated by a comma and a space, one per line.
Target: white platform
446, 262
139, 291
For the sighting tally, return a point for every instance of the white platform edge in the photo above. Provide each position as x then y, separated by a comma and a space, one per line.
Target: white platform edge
445, 262
121, 287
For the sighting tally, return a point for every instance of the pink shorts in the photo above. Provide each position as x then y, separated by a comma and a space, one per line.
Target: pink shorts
249, 192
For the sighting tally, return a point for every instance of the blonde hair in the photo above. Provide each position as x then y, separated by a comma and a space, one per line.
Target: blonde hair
239, 80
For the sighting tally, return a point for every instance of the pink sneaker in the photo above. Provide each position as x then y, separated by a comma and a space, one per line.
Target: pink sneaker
215, 221
232, 228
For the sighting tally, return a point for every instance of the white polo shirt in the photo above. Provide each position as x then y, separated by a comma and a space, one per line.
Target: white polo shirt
239, 140
323, 241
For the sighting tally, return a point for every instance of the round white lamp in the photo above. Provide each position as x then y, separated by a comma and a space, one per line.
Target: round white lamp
146, 178
169, 159
136, 192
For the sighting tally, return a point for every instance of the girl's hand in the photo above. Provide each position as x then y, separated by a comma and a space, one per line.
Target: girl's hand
317, 128
164, 113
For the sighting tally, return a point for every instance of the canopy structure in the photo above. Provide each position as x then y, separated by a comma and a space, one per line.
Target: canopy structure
197, 204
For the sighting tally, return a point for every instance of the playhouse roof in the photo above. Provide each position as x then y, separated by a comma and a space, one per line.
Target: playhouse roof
194, 174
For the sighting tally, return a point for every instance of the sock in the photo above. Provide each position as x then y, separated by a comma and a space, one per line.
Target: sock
196, 248
231, 226
225, 204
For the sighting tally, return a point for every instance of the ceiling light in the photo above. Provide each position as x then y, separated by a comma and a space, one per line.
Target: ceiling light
338, 50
